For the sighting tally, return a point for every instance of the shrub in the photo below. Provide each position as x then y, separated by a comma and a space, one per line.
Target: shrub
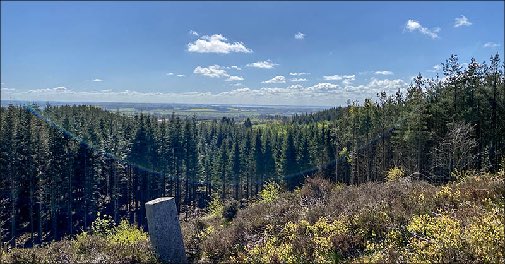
216, 206
122, 244
485, 236
270, 192
299, 242
230, 210
434, 239
395, 173
126, 233
102, 225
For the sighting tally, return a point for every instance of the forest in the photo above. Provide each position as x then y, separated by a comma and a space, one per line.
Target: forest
62, 165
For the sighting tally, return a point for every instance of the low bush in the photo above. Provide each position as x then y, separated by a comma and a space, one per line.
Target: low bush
396, 221
105, 243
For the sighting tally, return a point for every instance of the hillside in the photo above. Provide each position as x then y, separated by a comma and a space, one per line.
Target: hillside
397, 221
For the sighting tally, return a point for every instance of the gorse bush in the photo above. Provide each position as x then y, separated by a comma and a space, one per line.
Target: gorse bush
103, 225
397, 221
216, 206
270, 192
105, 243
299, 242
125, 233
395, 173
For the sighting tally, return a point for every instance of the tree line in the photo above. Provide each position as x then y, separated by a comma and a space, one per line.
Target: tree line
61, 165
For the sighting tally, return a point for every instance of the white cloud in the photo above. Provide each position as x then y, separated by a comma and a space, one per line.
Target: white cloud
173, 74
384, 72
413, 25
298, 80
234, 78
8, 89
435, 68
387, 84
194, 33
60, 89
462, 21
339, 77
97, 80
268, 64
216, 44
295, 86
298, 73
235, 67
213, 71
322, 86
299, 36
276, 79
324, 93
241, 90
491, 45
332, 78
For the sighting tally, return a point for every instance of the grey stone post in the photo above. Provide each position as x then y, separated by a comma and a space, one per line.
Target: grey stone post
164, 230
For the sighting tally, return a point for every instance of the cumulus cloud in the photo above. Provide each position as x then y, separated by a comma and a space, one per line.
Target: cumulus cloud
59, 89
491, 45
298, 80
216, 43
384, 72
97, 80
268, 64
170, 74
295, 86
298, 73
194, 33
339, 77
386, 84
235, 67
299, 36
323, 93
234, 78
213, 71
413, 25
8, 89
276, 79
462, 21
180, 75
322, 86
435, 68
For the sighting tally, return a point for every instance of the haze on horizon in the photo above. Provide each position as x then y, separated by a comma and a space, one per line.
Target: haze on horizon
266, 53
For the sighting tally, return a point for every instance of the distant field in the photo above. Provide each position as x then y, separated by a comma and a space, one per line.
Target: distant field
200, 111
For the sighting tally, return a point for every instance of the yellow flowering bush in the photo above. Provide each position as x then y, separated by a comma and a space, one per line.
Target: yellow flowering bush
485, 236
435, 239
216, 207
270, 192
447, 195
318, 239
125, 233
395, 173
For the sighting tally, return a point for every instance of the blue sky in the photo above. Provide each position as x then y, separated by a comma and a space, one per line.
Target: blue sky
306, 53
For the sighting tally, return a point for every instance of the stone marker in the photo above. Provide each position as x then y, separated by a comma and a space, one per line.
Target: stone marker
165, 231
